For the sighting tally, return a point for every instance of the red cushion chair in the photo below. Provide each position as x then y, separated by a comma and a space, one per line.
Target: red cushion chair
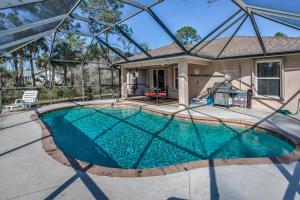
150, 94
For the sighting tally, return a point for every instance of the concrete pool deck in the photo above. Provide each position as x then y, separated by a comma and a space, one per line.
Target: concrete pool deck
28, 172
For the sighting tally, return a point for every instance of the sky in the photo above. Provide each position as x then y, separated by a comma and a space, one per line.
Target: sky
199, 14
202, 16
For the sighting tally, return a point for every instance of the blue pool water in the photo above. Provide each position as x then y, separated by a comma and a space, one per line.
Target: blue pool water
130, 138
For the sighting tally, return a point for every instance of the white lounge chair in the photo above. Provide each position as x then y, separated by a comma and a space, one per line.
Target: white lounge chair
29, 98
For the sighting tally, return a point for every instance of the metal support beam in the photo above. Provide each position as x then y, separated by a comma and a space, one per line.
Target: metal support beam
99, 80
119, 22
82, 81
259, 55
127, 18
277, 20
111, 48
277, 15
105, 54
261, 42
52, 45
31, 25
23, 45
241, 4
238, 28
88, 49
133, 42
72, 61
1, 92
269, 11
90, 19
112, 83
75, 33
207, 36
135, 4
121, 31
4, 4
69, 14
100, 22
164, 27
84, 19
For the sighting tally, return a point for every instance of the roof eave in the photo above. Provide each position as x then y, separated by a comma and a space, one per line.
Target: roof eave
166, 60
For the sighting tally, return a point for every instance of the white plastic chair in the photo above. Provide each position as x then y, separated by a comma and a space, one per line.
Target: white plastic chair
29, 98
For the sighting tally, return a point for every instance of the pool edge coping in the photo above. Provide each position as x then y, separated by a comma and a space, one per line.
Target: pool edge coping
51, 149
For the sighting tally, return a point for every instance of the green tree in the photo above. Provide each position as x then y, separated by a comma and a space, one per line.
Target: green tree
145, 46
103, 10
15, 64
127, 45
187, 35
33, 49
280, 34
69, 47
42, 64
20, 71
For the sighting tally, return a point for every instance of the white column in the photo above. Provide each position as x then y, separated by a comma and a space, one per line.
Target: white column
124, 93
183, 90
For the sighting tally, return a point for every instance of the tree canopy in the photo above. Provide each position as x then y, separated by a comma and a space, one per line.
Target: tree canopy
187, 35
280, 34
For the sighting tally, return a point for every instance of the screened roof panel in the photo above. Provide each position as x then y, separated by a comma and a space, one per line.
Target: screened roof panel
147, 33
146, 2
70, 47
245, 42
278, 37
108, 11
120, 43
21, 15
27, 33
6, 50
113, 56
100, 53
216, 43
285, 20
284, 5
201, 15
96, 53
43, 46
79, 26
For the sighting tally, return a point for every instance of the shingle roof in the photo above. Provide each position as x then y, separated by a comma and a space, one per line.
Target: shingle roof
238, 46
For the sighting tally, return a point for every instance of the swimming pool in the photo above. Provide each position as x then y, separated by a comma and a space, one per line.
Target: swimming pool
129, 138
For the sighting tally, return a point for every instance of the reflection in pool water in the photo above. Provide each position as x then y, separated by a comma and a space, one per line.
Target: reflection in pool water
130, 138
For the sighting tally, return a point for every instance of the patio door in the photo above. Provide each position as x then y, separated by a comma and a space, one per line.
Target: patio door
158, 78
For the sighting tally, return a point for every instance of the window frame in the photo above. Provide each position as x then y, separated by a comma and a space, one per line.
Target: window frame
269, 78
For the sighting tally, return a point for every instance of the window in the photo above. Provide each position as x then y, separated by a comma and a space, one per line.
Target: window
175, 78
268, 78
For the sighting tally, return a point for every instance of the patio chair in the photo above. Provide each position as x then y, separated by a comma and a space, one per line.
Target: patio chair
149, 93
29, 98
163, 94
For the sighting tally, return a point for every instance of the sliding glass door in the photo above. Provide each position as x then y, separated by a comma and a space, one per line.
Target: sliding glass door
158, 78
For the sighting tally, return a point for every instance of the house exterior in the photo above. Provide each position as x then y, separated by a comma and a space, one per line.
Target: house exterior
41, 77
274, 80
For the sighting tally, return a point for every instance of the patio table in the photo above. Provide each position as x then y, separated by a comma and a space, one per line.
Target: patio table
157, 90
